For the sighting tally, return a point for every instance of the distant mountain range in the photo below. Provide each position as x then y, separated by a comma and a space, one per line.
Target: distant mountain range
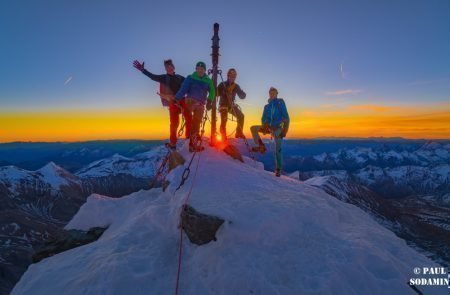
393, 173
71, 156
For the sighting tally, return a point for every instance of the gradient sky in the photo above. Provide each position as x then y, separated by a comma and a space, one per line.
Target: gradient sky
344, 68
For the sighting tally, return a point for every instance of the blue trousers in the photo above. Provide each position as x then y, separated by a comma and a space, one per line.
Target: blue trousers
276, 133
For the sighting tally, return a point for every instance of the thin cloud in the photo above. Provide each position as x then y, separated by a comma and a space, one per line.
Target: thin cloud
344, 74
68, 81
344, 91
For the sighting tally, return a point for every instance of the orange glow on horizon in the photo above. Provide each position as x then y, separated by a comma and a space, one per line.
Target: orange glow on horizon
352, 121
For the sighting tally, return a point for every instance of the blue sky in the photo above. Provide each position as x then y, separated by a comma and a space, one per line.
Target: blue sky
316, 53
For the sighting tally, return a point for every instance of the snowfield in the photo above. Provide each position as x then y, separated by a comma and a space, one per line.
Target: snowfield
281, 236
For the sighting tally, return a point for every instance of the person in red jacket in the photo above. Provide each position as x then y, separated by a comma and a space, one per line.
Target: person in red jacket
170, 83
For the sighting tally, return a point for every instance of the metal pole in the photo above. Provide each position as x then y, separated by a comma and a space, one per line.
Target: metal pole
215, 66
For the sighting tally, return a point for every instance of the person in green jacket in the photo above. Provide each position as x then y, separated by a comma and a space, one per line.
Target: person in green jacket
199, 90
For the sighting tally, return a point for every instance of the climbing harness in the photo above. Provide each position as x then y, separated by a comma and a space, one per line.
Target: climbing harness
234, 112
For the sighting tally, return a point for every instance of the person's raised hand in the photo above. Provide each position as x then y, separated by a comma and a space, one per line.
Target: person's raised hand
138, 65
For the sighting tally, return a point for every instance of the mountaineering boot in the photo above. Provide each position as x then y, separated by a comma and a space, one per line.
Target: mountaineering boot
171, 146
195, 144
196, 149
260, 148
239, 134
277, 172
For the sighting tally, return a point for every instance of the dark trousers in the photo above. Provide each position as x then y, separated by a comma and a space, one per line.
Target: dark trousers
235, 111
174, 112
196, 110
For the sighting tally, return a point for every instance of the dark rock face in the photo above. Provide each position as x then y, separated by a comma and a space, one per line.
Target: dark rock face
115, 186
66, 241
175, 160
233, 152
19, 232
200, 228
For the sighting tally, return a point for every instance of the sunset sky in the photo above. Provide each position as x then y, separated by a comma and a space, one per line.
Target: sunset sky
344, 68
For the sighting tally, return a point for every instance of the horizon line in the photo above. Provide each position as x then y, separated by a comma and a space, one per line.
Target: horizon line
290, 138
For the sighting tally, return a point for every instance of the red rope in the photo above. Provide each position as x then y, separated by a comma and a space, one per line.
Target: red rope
180, 248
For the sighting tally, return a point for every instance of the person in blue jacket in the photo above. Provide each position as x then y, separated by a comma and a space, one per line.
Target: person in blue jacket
275, 120
199, 90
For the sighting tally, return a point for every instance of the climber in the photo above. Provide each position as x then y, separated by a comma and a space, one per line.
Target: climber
170, 83
275, 121
227, 92
199, 89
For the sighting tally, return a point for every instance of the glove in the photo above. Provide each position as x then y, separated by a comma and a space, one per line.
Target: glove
284, 129
138, 65
208, 105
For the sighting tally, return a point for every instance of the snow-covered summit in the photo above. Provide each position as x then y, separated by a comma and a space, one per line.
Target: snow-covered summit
56, 175
140, 165
49, 177
280, 236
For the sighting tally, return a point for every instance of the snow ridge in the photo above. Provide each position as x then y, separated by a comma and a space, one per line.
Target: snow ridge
281, 236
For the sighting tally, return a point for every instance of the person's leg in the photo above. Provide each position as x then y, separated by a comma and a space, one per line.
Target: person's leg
240, 120
187, 114
174, 112
278, 149
223, 121
197, 116
255, 133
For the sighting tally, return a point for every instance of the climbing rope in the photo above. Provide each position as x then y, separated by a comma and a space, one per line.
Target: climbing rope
180, 244
160, 170
165, 160
198, 143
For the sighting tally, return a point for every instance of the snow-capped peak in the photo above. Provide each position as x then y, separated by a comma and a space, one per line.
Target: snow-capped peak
140, 165
280, 236
50, 167
12, 173
55, 175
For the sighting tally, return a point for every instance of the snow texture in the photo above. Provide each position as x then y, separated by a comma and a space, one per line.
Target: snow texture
281, 236
52, 175
138, 166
